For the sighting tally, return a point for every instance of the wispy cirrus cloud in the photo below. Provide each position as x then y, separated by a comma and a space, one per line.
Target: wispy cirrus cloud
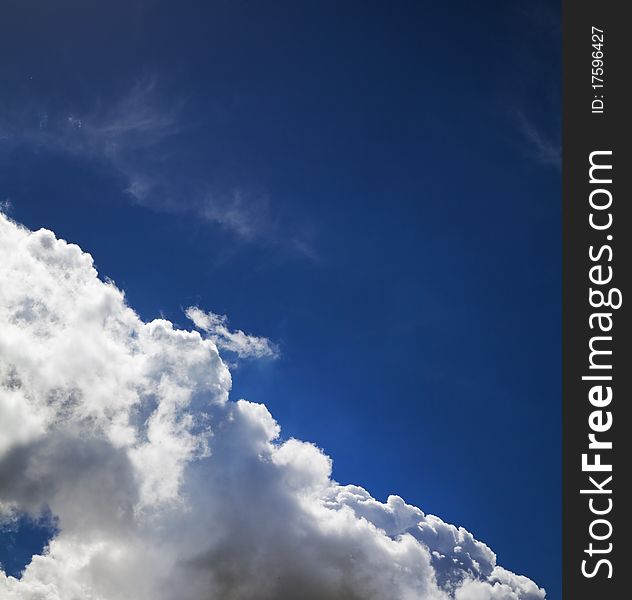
113, 133
138, 138
539, 145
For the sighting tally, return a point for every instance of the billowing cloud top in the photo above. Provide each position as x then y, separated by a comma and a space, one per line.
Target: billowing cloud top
165, 489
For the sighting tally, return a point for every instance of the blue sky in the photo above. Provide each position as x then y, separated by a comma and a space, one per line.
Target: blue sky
373, 186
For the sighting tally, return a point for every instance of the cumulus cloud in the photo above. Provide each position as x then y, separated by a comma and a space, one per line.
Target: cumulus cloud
162, 487
240, 343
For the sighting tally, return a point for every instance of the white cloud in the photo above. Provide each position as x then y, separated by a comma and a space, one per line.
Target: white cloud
240, 343
165, 489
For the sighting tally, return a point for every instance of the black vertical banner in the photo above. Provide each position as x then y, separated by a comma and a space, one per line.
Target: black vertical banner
597, 340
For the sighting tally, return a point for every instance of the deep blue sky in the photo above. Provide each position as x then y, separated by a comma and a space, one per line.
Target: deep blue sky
373, 185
